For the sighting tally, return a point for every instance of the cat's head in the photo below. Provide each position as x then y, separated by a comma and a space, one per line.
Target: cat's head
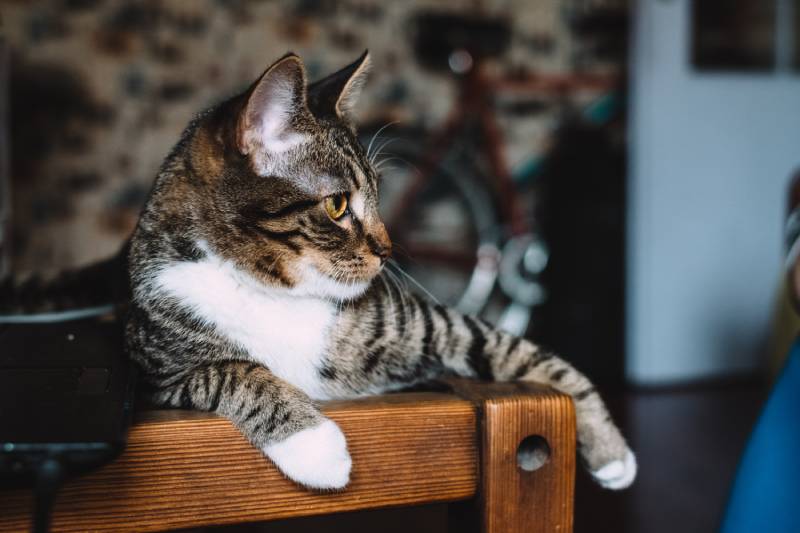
292, 196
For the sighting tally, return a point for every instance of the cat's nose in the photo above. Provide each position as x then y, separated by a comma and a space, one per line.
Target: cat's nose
383, 253
382, 249
380, 244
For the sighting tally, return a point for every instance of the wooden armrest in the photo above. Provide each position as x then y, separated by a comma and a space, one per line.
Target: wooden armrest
187, 469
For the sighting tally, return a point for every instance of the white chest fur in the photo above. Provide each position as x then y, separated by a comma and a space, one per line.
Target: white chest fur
286, 333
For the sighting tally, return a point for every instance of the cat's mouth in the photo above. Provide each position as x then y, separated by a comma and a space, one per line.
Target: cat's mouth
317, 284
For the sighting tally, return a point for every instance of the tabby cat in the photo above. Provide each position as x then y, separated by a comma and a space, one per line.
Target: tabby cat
257, 281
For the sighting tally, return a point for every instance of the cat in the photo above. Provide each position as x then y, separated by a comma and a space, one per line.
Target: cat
257, 286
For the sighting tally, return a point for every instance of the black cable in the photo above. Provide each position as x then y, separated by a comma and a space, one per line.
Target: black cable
48, 481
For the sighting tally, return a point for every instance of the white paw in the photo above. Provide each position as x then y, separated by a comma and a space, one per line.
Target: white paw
315, 457
617, 475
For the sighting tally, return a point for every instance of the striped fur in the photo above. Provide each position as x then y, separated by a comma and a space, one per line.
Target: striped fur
250, 301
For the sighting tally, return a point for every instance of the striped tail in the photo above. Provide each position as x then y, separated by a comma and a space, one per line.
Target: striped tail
97, 285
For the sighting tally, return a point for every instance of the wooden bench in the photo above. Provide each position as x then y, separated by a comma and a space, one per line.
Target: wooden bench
188, 469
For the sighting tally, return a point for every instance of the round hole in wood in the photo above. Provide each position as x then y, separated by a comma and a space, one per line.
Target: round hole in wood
532, 453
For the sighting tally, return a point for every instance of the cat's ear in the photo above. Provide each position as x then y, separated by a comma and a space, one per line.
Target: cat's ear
337, 94
275, 105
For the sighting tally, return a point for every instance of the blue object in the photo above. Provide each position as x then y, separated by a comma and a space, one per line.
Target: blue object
766, 492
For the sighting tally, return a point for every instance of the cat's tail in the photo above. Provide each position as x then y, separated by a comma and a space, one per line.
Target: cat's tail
85, 290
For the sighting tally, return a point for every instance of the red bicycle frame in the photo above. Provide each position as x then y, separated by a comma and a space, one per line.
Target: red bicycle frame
475, 100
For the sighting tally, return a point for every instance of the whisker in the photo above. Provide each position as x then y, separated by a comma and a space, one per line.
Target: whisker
375, 136
380, 149
402, 288
415, 282
408, 163
380, 164
389, 294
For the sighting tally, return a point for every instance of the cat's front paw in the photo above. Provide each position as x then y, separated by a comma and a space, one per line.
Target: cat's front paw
618, 474
316, 457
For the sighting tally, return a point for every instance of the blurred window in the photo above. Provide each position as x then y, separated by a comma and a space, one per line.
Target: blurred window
745, 35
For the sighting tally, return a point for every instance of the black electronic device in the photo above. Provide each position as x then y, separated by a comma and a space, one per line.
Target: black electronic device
66, 398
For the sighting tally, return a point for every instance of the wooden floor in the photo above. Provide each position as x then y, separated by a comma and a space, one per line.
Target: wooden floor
688, 442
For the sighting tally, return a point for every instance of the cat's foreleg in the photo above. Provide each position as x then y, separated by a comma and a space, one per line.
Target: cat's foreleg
434, 339
275, 416
477, 349
601, 444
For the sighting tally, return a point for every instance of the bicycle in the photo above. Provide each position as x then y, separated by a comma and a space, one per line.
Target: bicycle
458, 221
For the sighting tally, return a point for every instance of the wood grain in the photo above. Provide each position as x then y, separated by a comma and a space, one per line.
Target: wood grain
512, 500
184, 469
187, 469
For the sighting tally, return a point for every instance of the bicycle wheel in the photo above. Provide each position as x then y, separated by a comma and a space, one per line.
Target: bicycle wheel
443, 224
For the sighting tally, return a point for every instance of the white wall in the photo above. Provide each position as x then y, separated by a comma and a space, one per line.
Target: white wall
711, 155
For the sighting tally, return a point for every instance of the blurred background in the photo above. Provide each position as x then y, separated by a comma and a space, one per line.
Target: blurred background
609, 178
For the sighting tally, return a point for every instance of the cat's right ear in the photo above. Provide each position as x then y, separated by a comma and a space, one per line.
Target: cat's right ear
276, 104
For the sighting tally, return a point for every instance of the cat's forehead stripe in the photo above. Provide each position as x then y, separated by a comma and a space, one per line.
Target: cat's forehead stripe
354, 161
361, 178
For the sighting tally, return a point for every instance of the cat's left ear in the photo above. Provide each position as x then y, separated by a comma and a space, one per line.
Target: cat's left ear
275, 109
336, 95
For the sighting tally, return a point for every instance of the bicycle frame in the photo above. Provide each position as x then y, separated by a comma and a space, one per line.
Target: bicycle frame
475, 95
499, 257
475, 100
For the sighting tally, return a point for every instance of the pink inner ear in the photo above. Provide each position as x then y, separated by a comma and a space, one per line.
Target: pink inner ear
272, 106
278, 97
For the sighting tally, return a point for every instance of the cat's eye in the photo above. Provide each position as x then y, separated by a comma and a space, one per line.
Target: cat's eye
336, 206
